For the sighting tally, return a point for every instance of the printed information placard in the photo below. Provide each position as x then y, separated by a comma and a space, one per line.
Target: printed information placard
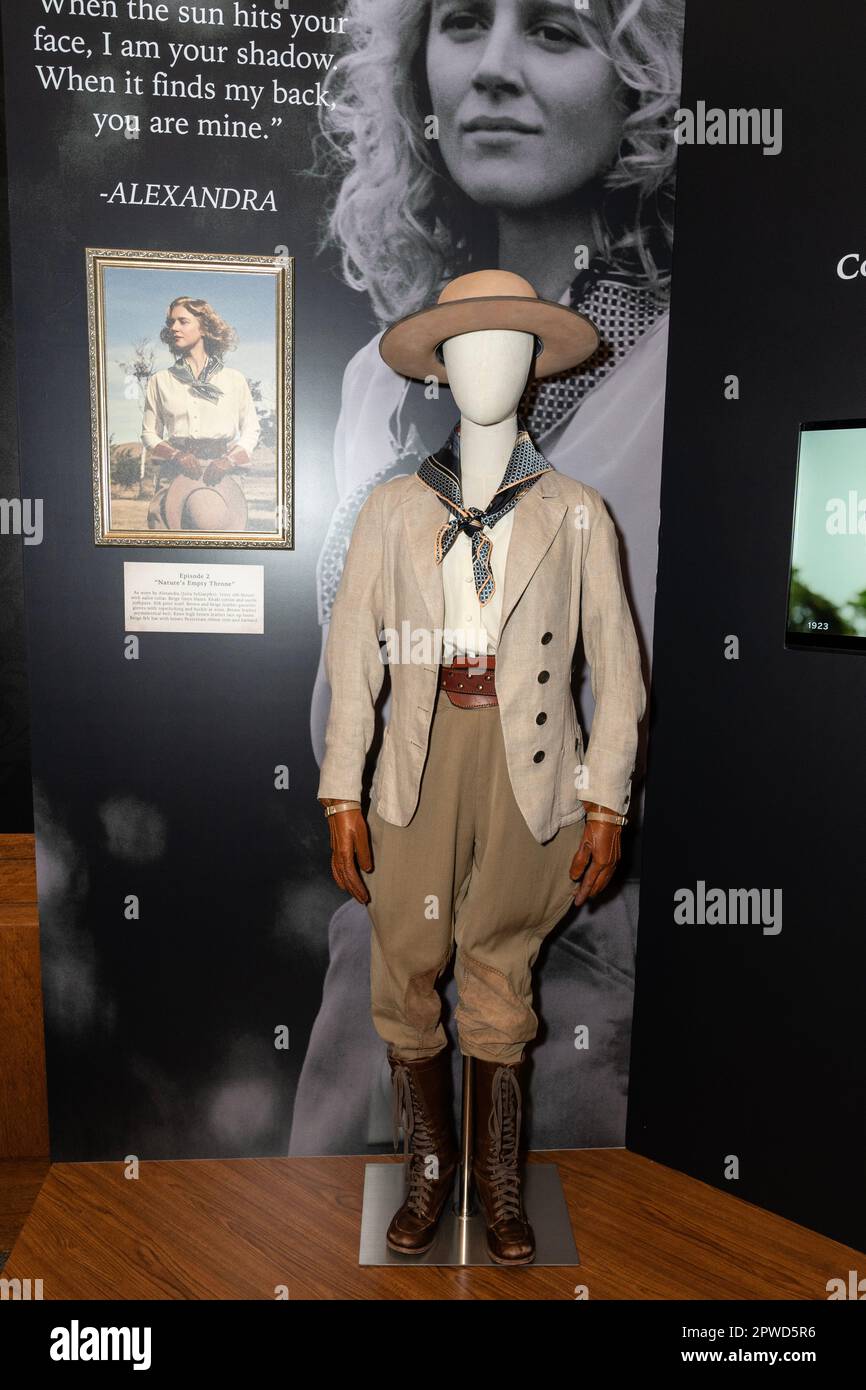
193, 598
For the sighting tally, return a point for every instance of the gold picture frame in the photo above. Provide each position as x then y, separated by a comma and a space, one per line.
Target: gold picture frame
249, 504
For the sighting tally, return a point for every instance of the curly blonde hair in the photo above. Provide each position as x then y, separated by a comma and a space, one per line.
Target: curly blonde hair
403, 227
219, 336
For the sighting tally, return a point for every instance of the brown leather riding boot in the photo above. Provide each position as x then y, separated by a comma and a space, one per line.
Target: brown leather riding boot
423, 1104
498, 1106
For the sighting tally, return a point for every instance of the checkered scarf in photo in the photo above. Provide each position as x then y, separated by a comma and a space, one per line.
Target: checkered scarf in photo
441, 473
199, 385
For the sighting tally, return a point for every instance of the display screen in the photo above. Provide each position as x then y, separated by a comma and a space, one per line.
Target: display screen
827, 582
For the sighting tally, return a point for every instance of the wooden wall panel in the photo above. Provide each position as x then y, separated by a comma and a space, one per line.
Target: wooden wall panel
23, 1090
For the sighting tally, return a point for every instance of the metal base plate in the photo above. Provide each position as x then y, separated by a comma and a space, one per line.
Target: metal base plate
464, 1242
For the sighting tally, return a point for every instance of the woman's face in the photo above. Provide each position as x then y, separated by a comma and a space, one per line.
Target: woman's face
184, 328
528, 112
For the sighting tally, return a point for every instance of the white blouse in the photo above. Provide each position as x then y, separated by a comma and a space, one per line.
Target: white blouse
172, 408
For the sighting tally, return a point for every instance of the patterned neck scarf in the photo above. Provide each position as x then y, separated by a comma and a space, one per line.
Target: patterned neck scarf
441, 473
199, 385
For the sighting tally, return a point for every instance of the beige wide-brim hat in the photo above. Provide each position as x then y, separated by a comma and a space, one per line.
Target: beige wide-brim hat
191, 505
488, 299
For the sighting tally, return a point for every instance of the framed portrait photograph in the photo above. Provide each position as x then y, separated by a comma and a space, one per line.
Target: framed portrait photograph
191, 398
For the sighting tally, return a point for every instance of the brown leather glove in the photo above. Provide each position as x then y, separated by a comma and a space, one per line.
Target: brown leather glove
164, 450
600, 850
217, 469
189, 464
350, 837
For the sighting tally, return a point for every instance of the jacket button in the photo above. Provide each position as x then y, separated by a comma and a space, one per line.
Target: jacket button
546, 638
538, 757
541, 718
543, 676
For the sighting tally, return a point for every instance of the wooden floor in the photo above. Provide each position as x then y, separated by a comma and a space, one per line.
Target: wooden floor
237, 1229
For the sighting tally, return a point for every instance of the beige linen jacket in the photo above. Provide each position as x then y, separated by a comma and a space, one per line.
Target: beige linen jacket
562, 574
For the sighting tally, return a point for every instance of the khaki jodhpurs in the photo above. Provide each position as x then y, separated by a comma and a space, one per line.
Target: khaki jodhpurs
466, 870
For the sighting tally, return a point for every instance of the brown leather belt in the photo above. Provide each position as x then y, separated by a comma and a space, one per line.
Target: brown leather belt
470, 681
203, 448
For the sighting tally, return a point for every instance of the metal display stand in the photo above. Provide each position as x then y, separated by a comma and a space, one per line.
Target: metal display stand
461, 1237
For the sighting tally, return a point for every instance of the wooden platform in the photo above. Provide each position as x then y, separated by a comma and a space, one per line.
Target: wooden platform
240, 1228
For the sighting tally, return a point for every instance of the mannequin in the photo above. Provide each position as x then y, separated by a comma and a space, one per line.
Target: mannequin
476, 835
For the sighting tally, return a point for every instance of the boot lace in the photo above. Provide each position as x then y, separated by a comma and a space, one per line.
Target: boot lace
504, 1130
409, 1113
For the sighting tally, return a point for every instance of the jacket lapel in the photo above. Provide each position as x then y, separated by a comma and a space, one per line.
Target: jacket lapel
424, 515
537, 518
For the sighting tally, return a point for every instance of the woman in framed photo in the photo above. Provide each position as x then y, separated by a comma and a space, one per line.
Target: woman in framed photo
199, 424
